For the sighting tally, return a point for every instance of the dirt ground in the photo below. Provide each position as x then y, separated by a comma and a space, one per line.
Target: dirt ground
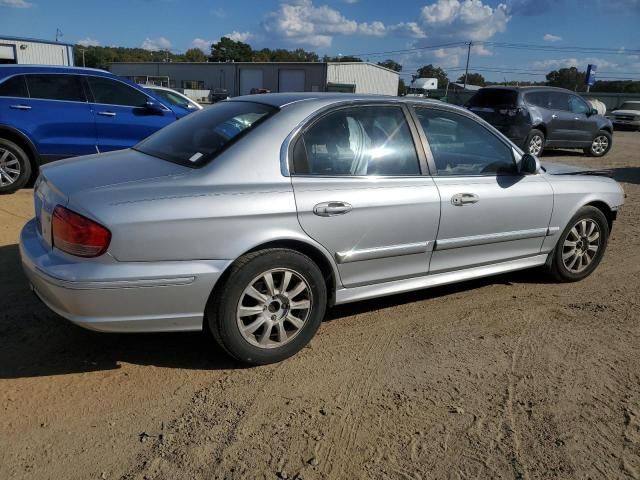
511, 377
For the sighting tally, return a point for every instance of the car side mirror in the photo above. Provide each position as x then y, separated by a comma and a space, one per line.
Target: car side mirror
153, 106
529, 164
593, 111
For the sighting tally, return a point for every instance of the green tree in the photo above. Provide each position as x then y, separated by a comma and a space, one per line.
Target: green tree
473, 79
195, 55
429, 71
570, 78
402, 88
341, 58
227, 50
391, 65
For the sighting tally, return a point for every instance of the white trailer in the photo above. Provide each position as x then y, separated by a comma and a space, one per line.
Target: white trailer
29, 51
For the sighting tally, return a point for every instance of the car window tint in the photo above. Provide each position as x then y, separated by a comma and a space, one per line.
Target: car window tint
172, 98
577, 105
539, 99
461, 146
199, 137
55, 87
112, 92
558, 101
14, 87
360, 141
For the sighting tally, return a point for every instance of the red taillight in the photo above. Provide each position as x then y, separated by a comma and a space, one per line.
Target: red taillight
77, 235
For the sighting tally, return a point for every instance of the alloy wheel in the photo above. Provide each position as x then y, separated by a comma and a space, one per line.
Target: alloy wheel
535, 145
273, 308
581, 245
10, 168
600, 145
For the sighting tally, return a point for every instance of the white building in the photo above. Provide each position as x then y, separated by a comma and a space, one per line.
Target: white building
29, 51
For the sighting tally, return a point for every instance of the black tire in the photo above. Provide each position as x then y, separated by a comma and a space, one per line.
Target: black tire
594, 151
557, 266
534, 134
13, 152
222, 309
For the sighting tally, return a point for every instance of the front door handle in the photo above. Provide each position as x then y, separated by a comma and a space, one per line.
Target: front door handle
107, 114
554, 116
461, 199
20, 107
331, 209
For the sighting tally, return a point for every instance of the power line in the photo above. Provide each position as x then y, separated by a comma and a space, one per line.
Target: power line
557, 48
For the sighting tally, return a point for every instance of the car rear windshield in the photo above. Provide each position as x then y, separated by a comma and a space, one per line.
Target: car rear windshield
197, 138
492, 97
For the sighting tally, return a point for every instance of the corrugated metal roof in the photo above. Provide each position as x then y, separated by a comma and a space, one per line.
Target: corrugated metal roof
34, 40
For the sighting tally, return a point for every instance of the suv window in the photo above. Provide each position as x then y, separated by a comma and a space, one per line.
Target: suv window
14, 87
112, 92
577, 105
539, 99
461, 146
558, 101
372, 140
55, 87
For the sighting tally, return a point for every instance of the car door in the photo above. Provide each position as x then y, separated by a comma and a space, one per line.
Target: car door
585, 125
56, 116
489, 212
360, 192
560, 124
121, 116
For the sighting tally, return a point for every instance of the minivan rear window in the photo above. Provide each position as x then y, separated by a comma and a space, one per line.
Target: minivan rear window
196, 139
493, 97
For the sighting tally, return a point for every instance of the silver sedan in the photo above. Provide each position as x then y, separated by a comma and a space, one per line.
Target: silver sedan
251, 217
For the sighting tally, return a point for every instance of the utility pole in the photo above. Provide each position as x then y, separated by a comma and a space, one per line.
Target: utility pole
83, 50
466, 70
59, 34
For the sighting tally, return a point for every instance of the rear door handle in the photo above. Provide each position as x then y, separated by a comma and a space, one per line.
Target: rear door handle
107, 114
20, 107
331, 209
461, 199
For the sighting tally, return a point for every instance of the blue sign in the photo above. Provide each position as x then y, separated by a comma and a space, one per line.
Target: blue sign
590, 79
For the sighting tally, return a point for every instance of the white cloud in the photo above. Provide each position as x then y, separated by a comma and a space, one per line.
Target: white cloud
302, 22
202, 44
411, 29
88, 42
154, 44
551, 38
350, 2
579, 63
239, 36
15, 3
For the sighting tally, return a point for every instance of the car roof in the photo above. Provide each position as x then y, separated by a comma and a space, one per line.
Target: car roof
13, 69
526, 88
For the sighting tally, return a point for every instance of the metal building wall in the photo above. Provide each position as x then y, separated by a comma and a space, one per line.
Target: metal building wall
40, 53
367, 77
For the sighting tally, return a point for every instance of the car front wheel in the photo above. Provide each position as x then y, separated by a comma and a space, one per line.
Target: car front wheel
581, 245
601, 144
269, 307
15, 167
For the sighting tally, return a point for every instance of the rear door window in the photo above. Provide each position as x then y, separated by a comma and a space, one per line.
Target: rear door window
112, 92
559, 101
538, 99
14, 87
56, 87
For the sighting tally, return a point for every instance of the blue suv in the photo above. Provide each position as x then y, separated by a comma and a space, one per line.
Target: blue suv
49, 113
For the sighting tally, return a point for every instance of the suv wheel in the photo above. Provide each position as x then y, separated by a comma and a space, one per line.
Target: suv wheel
272, 305
15, 167
581, 246
601, 144
534, 143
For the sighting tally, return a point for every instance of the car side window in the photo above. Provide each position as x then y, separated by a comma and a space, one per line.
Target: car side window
55, 87
14, 87
367, 140
461, 146
559, 101
577, 105
539, 99
112, 92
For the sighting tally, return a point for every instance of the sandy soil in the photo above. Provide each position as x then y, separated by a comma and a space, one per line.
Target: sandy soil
512, 377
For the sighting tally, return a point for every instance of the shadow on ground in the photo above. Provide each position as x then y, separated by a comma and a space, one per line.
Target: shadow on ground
36, 342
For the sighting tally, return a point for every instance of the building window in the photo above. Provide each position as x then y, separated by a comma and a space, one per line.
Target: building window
193, 84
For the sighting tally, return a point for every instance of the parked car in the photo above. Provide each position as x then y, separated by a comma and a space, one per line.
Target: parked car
259, 91
627, 116
49, 113
218, 94
537, 118
174, 99
252, 216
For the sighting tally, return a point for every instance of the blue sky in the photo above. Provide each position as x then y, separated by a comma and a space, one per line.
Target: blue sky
364, 27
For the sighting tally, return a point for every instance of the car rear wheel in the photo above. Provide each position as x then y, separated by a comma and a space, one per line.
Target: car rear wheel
270, 306
581, 245
15, 167
534, 143
601, 144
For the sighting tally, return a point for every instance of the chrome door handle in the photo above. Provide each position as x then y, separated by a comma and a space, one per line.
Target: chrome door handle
20, 107
331, 209
107, 114
554, 116
461, 199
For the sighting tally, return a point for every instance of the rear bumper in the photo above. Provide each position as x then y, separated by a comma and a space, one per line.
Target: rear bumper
105, 295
